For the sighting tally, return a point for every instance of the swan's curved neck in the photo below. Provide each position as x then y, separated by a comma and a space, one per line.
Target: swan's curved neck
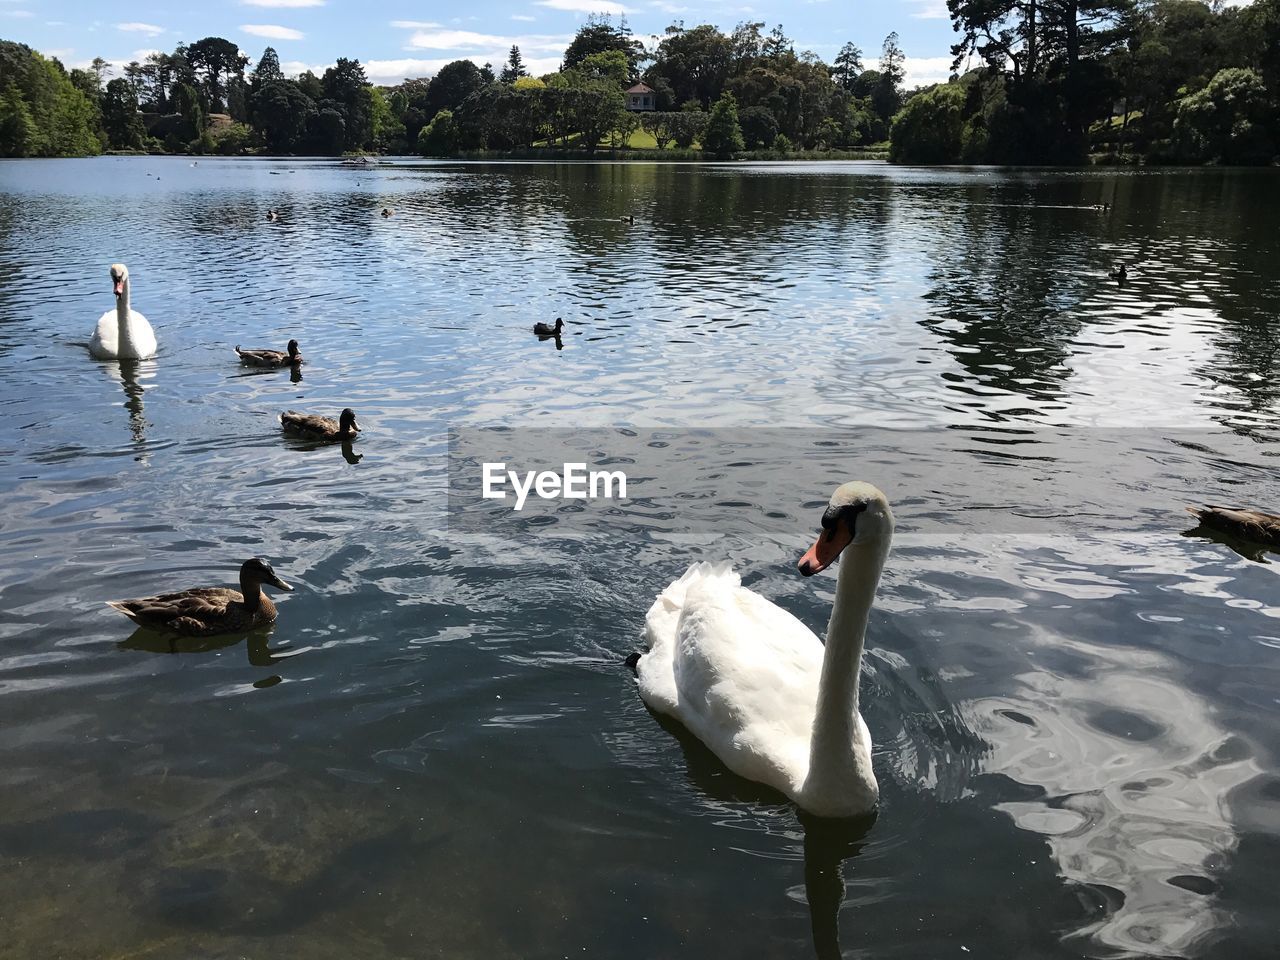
835, 724
124, 335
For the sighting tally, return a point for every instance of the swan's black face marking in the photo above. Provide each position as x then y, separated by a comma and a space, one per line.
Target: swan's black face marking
846, 513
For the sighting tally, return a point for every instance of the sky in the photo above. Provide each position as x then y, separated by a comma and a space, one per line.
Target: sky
395, 39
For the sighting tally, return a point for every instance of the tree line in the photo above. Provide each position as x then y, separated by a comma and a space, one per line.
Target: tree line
1044, 81
1054, 81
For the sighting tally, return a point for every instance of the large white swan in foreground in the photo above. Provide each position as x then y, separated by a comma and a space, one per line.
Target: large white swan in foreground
122, 333
756, 686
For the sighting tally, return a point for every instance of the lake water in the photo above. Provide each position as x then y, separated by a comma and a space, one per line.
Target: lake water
437, 750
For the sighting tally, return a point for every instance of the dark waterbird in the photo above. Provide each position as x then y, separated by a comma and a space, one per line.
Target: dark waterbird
546, 330
1122, 274
1251, 525
271, 358
314, 427
208, 611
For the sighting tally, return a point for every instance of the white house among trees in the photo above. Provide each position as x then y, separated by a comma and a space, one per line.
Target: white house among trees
640, 97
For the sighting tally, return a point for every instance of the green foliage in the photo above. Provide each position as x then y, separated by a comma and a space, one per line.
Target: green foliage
687, 127
42, 113
347, 91
451, 85
281, 113
17, 129
598, 35
929, 128
120, 116
513, 69
439, 138
723, 136
1229, 121
759, 128
782, 144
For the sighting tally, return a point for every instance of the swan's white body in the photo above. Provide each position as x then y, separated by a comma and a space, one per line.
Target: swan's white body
122, 333
757, 686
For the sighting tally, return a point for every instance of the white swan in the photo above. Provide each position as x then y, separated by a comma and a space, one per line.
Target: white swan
756, 686
122, 333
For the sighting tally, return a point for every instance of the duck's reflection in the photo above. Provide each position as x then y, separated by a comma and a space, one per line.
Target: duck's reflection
257, 646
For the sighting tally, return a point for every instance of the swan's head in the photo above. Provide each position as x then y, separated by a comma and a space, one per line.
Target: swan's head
858, 513
119, 277
347, 421
259, 571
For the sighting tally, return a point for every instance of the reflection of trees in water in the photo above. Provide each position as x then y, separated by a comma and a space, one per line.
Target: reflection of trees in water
1132, 775
1001, 295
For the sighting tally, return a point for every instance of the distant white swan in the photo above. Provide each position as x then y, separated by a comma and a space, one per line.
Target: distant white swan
756, 686
122, 333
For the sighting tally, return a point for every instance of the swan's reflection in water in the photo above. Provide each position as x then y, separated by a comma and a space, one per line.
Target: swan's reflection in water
1134, 775
131, 375
827, 844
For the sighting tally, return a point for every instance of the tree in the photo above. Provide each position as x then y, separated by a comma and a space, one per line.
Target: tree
723, 136
17, 129
101, 70
758, 127
687, 126
186, 102
599, 35
215, 62
693, 64
267, 70
347, 86
326, 131
281, 112
439, 138
451, 85
1229, 120
120, 116
514, 68
847, 66
929, 127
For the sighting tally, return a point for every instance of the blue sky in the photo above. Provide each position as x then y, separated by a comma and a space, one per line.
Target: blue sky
399, 38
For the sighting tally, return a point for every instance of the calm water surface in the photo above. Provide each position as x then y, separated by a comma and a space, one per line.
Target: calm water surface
437, 751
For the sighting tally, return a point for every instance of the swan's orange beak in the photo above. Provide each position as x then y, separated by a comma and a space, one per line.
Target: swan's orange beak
824, 551
119, 287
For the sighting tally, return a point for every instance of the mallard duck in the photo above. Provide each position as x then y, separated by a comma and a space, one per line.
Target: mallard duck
321, 428
546, 330
1252, 525
629, 218
271, 358
207, 611
272, 215
1122, 274
388, 212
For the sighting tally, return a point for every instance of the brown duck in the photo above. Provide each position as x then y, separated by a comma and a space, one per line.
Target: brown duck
207, 611
321, 428
1252, 525
271, 358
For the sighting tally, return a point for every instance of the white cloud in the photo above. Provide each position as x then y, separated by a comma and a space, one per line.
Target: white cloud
62, 53
414, 24
19, 14
452, 40
271, 31
150, 29
587, 6
292, 4
931, 10
391, 72
921, 71
666, 7
522, 17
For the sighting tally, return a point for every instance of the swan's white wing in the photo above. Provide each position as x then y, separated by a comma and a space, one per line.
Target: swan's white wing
103, 344
740, 672
144, 338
